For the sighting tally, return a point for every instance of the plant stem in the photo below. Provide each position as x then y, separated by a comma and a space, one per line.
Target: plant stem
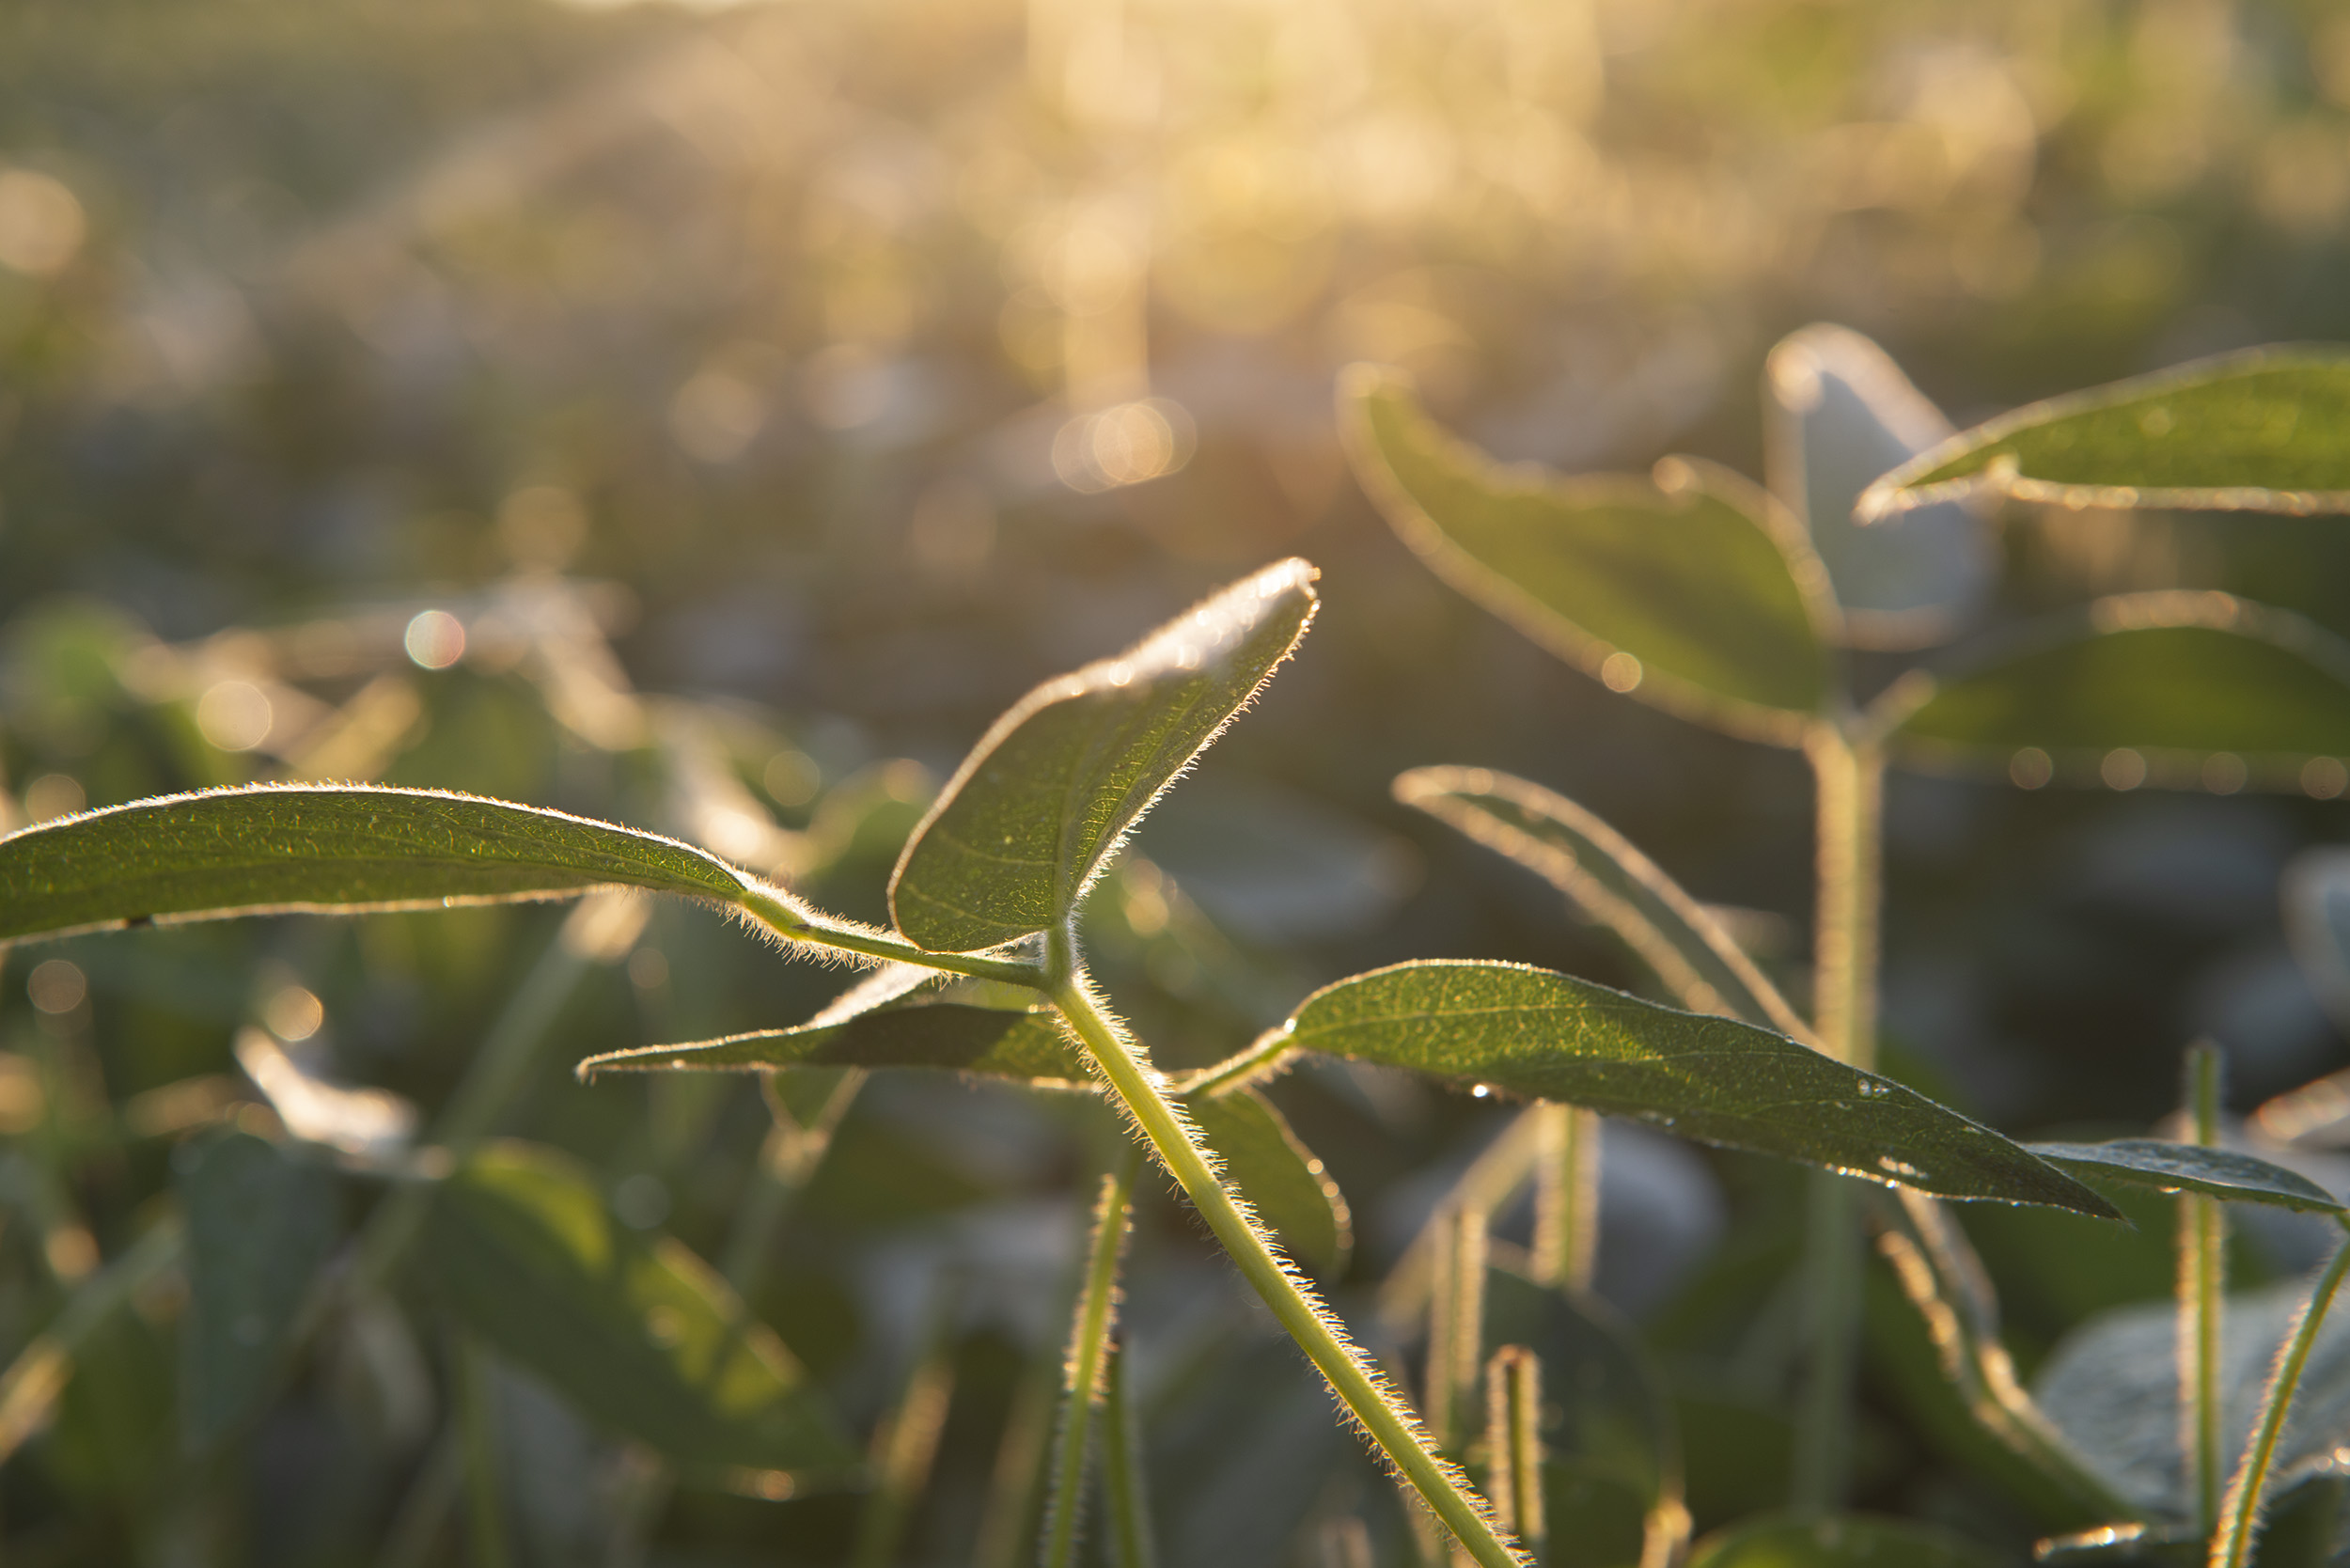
1384, 1416
2240, 1512
1566, 1196
1132, 1545
796, 923
2203, 1243
1085, 1371
1849, 771
1002, 1533
1456, 1326
478, 1424
1513, 1442
787, 1161
33, 1381
903, 1451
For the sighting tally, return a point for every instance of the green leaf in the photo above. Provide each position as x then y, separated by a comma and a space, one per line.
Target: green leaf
1847, 1541
2201, 690
1544, 1035
1693, 590
1836, 413
2148, 1162
1027, 1047
1610, 880
637, 1333
1278, 1175
277, 848
1019, 832
2258, 431
261, 1225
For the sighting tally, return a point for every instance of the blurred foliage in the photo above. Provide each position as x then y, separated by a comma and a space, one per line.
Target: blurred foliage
400, 391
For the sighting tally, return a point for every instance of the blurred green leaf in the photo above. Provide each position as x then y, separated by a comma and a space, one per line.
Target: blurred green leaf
637, 1333
284, 848
2177, 680
2316, 896
1848, 1541
1018, 834
1836, 413
1278, 1175
261, 1225
1610, 880
1539, 1034
1028, 1046
1592, 1517
1699, 579
2171, 1166
2260, 431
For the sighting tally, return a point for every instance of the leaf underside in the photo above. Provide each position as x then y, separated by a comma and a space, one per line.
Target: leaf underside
1027, 1046
2257, 431
1542, 1035
1278, 1175
2179, 677
2217, 1172
1013, 842
335, 849
1710, 588
640, 1335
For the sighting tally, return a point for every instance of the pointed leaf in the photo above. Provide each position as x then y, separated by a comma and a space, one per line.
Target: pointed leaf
1836, 413
2202, 690
1537, 1033
1611, 882
1027, 1047
1703, 584
1278, 1175
2148, 1162
276, 848
637, 1333
261, 1225
2260, 431
1845, 1541
1019, 833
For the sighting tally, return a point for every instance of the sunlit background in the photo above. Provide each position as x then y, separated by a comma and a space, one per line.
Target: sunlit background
402, 388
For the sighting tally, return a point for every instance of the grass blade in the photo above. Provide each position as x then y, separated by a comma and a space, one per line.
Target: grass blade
1017, 836
2257, 431
2223, 1173
1544, 1035
1694, 590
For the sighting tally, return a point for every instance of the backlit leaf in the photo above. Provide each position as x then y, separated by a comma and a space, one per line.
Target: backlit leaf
1847, 1541
276, 848
1693, 590
2261, 429
1836, 413
1278, 1175
2148, 1162
637, 1332
1610, 880
1027, 1047
2193, 690
261, 1225
1018, 834
1539, 1034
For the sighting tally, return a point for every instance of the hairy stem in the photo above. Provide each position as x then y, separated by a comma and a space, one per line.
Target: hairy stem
796, 923
2203, 1243
1085, 1371
1566, 1196
1456, 1326
1384, 1416
1849, 772
1513, 1442
2240, 1510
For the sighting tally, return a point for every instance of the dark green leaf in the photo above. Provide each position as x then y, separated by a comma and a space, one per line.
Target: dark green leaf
1544, 1035
1278, 1175
336, 849
1612, 883
637, 1333
260, 1227
1019, 833
2221, 1172
1028, 1046
2261, 429
1593, 1518
1848, 1541
1701, 581
2198, 689
1836, 413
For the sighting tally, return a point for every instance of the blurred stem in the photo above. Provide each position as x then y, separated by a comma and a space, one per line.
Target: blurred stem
905, 1448
1513, 1442
416, 1527
1123, 1478
1384, 1416
2202, 1247
1456, 1326
1566, 1196
1848, 773
478, 1424
1020, 1454
1085, 1370
30, 1387
787, 1162
2240, 1510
